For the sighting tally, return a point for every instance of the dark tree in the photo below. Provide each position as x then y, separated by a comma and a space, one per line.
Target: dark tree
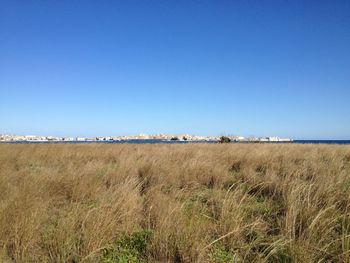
224, 139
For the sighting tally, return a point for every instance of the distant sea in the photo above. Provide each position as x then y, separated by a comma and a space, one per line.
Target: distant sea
181, 142
322, 141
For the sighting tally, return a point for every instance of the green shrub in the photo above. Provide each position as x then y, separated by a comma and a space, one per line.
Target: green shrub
224, 139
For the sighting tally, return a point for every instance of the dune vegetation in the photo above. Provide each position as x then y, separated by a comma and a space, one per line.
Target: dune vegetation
174, 203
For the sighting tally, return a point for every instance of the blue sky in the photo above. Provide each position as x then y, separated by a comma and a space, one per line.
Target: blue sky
88, 68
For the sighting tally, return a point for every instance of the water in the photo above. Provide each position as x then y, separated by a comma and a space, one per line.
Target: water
341, 142
322, 141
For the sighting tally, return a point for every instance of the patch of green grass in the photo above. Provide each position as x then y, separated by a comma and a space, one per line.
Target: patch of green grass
128, 249
202, 203
219, 254
258, 207
280, 255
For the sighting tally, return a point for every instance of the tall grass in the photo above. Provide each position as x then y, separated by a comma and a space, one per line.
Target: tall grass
174, 203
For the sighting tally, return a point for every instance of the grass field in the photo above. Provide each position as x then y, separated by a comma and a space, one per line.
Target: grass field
174, 203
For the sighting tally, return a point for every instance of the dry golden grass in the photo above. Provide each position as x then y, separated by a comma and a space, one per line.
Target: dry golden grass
174, 203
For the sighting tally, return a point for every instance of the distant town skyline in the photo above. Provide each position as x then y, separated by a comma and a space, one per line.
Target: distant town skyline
143, 137
102, 68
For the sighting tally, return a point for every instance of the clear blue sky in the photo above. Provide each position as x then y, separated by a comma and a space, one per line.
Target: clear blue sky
86, 68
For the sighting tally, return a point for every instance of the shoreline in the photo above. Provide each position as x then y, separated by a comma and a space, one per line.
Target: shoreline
151, 141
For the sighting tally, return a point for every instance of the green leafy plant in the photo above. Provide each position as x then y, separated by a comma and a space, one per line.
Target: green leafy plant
128, 249
220, 254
